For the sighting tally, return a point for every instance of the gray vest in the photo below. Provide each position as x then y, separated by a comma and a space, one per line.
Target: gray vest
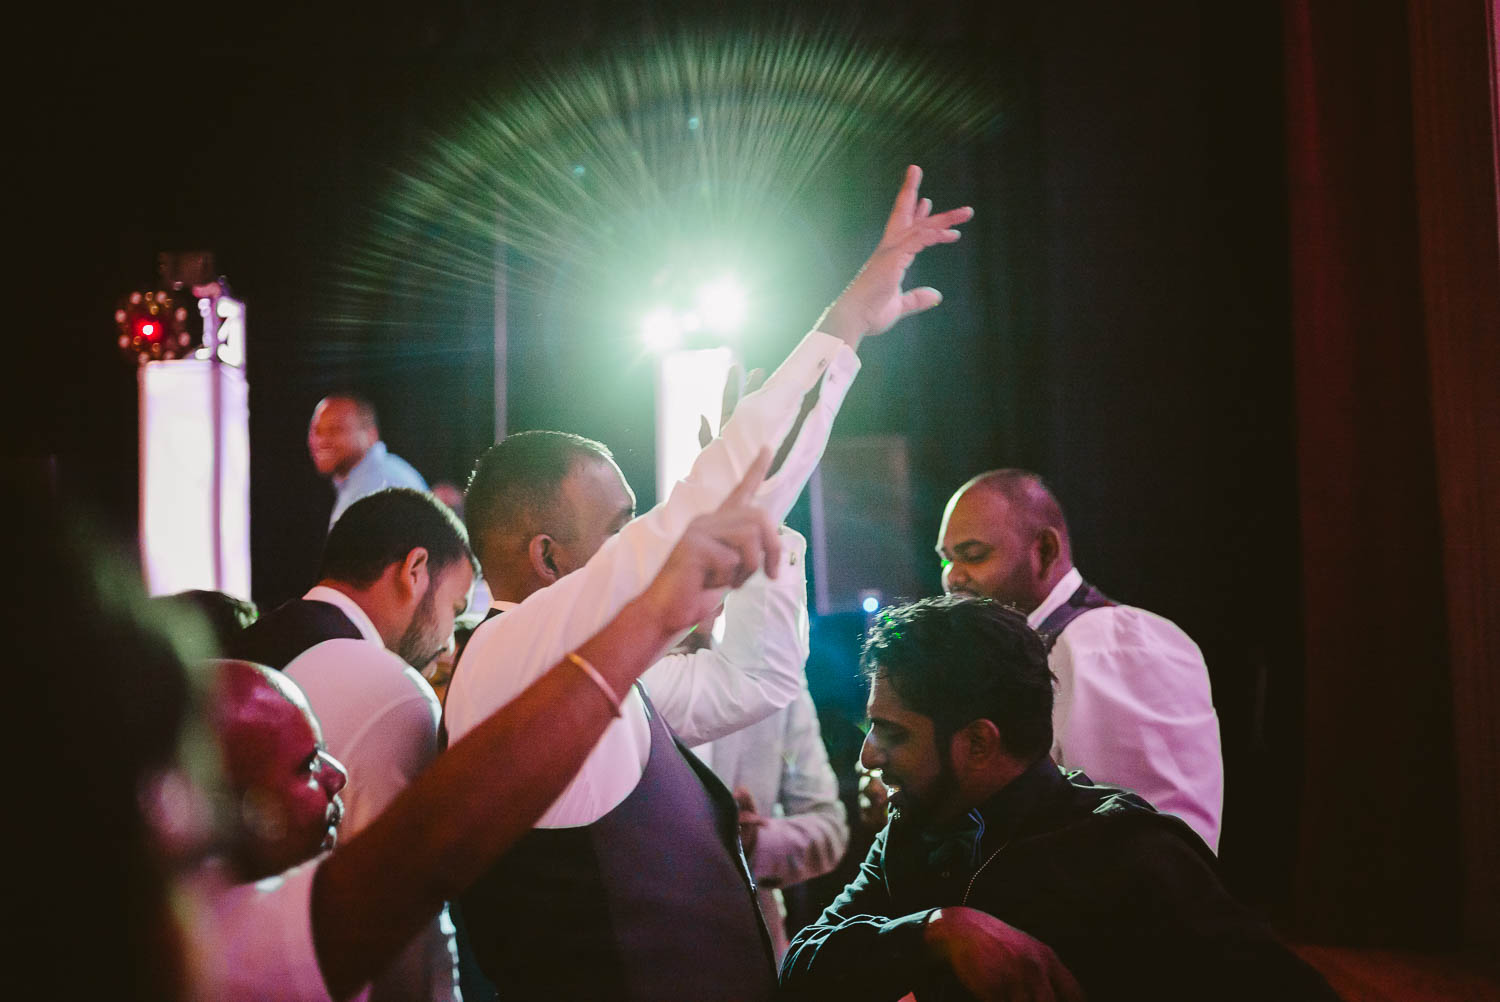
653, 901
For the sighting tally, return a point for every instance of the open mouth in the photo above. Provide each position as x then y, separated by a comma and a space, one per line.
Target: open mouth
335, 816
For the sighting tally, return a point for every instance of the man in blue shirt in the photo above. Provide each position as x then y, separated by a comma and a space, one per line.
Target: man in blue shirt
343, 439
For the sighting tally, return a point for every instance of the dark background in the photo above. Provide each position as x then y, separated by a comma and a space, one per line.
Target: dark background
1117, 317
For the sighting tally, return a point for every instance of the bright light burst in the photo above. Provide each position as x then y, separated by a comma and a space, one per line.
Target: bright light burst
722, 306
660, 329
604, 170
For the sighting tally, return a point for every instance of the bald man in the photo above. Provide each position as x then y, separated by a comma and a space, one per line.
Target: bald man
343, 439
1133, 708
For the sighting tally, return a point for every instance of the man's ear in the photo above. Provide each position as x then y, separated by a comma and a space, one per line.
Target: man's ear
541, 553
412, 578
1045, 549
976, 745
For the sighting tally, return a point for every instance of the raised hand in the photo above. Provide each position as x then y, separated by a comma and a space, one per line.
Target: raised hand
718, 551
729, 400
874, 301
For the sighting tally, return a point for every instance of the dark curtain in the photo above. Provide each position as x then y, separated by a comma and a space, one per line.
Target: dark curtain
1394, 304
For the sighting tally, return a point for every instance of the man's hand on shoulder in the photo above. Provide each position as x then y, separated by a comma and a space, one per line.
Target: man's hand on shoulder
873, 302
996, 961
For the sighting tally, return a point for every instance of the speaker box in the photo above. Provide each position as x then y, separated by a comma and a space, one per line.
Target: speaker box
862, 542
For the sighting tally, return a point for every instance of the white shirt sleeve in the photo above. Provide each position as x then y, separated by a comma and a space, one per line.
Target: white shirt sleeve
755, 671
808, 835
1134, 709
509, 653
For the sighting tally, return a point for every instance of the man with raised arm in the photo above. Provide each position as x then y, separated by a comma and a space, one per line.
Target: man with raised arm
292, 924
633, 885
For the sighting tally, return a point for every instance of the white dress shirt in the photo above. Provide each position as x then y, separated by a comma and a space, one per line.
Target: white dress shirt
756, 671
379, 715
380, 719
1134, 708
781, 761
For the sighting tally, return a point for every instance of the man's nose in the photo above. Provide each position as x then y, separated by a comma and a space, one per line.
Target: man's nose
334, 776
870, 755
953, 577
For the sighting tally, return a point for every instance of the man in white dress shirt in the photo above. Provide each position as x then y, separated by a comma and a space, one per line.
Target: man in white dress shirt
1133, 708
316, 925
570, 555
396, 570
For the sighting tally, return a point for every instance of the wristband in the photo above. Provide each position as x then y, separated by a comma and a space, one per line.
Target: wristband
597, 679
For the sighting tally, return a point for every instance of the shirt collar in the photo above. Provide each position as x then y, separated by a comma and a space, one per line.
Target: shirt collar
1006, 813
350, 608
993, 823
373, 457
503, 605
1059, 594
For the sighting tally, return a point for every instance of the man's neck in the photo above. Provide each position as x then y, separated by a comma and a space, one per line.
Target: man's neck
977, 790
343, 472
370, 604
1050, 600
508, 583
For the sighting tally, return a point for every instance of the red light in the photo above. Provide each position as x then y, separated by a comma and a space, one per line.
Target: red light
148, 329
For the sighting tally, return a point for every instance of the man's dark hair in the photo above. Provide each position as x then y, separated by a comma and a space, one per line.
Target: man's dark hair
516, 480
957, 659
382, 528
225, 614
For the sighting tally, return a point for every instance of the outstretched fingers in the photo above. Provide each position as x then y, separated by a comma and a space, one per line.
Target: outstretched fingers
904, 211
919, 299
748, 535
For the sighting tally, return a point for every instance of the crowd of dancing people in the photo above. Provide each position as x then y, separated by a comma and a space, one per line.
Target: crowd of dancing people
609, 783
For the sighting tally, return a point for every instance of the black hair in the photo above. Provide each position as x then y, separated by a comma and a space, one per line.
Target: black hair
957, 659
225, 614
517, 479
380, 529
